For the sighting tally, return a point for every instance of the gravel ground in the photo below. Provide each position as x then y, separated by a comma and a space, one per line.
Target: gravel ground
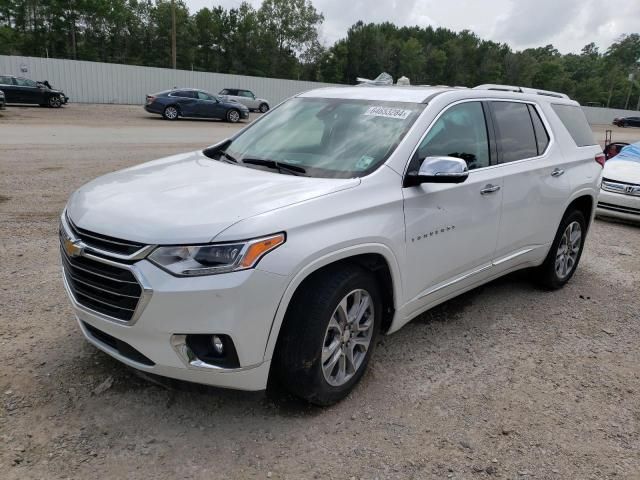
506, 381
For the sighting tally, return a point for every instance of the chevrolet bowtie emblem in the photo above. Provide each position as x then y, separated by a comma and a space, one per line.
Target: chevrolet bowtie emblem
71, 248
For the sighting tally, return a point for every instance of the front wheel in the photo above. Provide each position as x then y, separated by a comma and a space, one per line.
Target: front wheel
233, 116
264, 108
329, 334
566, 250
55, 101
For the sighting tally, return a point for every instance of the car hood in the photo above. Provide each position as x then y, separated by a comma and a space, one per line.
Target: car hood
188, 198
622, 170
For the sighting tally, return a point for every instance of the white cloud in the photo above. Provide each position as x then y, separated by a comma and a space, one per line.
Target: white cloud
567, 24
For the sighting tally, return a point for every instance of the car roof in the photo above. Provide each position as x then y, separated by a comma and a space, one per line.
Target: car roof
380, 93
423, 94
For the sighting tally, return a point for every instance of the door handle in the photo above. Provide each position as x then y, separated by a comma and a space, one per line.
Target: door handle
489, 189
557, 172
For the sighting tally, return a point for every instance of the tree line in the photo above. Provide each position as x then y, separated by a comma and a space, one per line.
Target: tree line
280, 39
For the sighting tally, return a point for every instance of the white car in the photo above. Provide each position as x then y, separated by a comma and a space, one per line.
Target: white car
338, 216
620, 190
247, 98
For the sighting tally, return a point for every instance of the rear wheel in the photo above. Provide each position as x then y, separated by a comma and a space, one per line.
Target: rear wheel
171, 113
233, 116
329, 334
55, 101
566, 250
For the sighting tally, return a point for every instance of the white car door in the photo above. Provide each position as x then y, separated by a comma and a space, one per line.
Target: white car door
248, 98
451, 229
535, 188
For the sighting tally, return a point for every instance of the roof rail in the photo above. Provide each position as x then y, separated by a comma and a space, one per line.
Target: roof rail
511, 88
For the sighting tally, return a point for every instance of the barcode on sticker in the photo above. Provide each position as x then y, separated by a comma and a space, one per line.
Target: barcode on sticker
388, 112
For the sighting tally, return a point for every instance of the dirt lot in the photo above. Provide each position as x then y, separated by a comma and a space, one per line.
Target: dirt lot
506, 381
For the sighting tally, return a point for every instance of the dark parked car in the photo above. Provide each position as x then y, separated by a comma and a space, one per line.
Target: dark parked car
2, 100
189, 102
24, 90
627, 121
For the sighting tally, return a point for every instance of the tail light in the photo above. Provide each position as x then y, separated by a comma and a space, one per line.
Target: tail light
150, 99
601, 158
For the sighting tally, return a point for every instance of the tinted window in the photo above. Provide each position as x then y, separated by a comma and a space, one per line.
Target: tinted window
204, 96
246, 93
25, 82
460, 132
572, 117
542, 137
184, 93
514, 130
6, 81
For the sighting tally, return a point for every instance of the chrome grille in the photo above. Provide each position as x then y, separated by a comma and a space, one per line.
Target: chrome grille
106, 289
617, 186
104, 242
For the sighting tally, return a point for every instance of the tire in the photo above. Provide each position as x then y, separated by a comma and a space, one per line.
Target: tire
313, 337
233, 116
559, 267
171, 112
55, 101
264, 108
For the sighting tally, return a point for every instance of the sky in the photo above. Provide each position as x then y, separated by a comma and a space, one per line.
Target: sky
567, 24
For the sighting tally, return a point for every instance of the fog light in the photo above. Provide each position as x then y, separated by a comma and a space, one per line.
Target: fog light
217, 344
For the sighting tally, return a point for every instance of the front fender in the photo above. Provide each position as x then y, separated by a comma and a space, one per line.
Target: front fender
316, 264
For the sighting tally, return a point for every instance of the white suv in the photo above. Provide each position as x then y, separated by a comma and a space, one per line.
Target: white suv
341, 214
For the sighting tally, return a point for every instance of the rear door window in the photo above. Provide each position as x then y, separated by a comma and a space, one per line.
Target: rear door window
6, 81
184, 94
514, 129
574, 120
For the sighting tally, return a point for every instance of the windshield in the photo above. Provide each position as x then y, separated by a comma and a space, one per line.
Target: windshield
332, 138
630, 153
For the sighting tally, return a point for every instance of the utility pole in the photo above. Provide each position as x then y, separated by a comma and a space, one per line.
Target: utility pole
173, 34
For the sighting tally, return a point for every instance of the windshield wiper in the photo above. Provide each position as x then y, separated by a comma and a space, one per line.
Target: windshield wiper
280, 166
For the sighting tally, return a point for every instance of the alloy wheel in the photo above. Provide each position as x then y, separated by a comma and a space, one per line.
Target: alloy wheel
171, 113
568, 250
348, 337
234, 116
55, 102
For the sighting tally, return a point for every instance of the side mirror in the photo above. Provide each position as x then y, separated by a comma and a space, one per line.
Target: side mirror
438, 170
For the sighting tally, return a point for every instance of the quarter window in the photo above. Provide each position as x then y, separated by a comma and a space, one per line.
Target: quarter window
514, 129
542, 137
460, 132
573, 118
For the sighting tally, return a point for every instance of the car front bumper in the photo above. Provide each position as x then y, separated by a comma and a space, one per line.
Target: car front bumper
618, 205
241, 305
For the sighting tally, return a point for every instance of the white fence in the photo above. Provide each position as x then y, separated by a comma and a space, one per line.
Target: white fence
604, 116
92, 82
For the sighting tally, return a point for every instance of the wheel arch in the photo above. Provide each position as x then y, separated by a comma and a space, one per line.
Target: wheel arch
377, 258
584, 203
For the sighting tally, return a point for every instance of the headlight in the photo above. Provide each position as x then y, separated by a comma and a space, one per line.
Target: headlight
189, 261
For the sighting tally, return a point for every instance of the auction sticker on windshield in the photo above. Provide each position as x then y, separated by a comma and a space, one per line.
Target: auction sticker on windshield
389, 112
